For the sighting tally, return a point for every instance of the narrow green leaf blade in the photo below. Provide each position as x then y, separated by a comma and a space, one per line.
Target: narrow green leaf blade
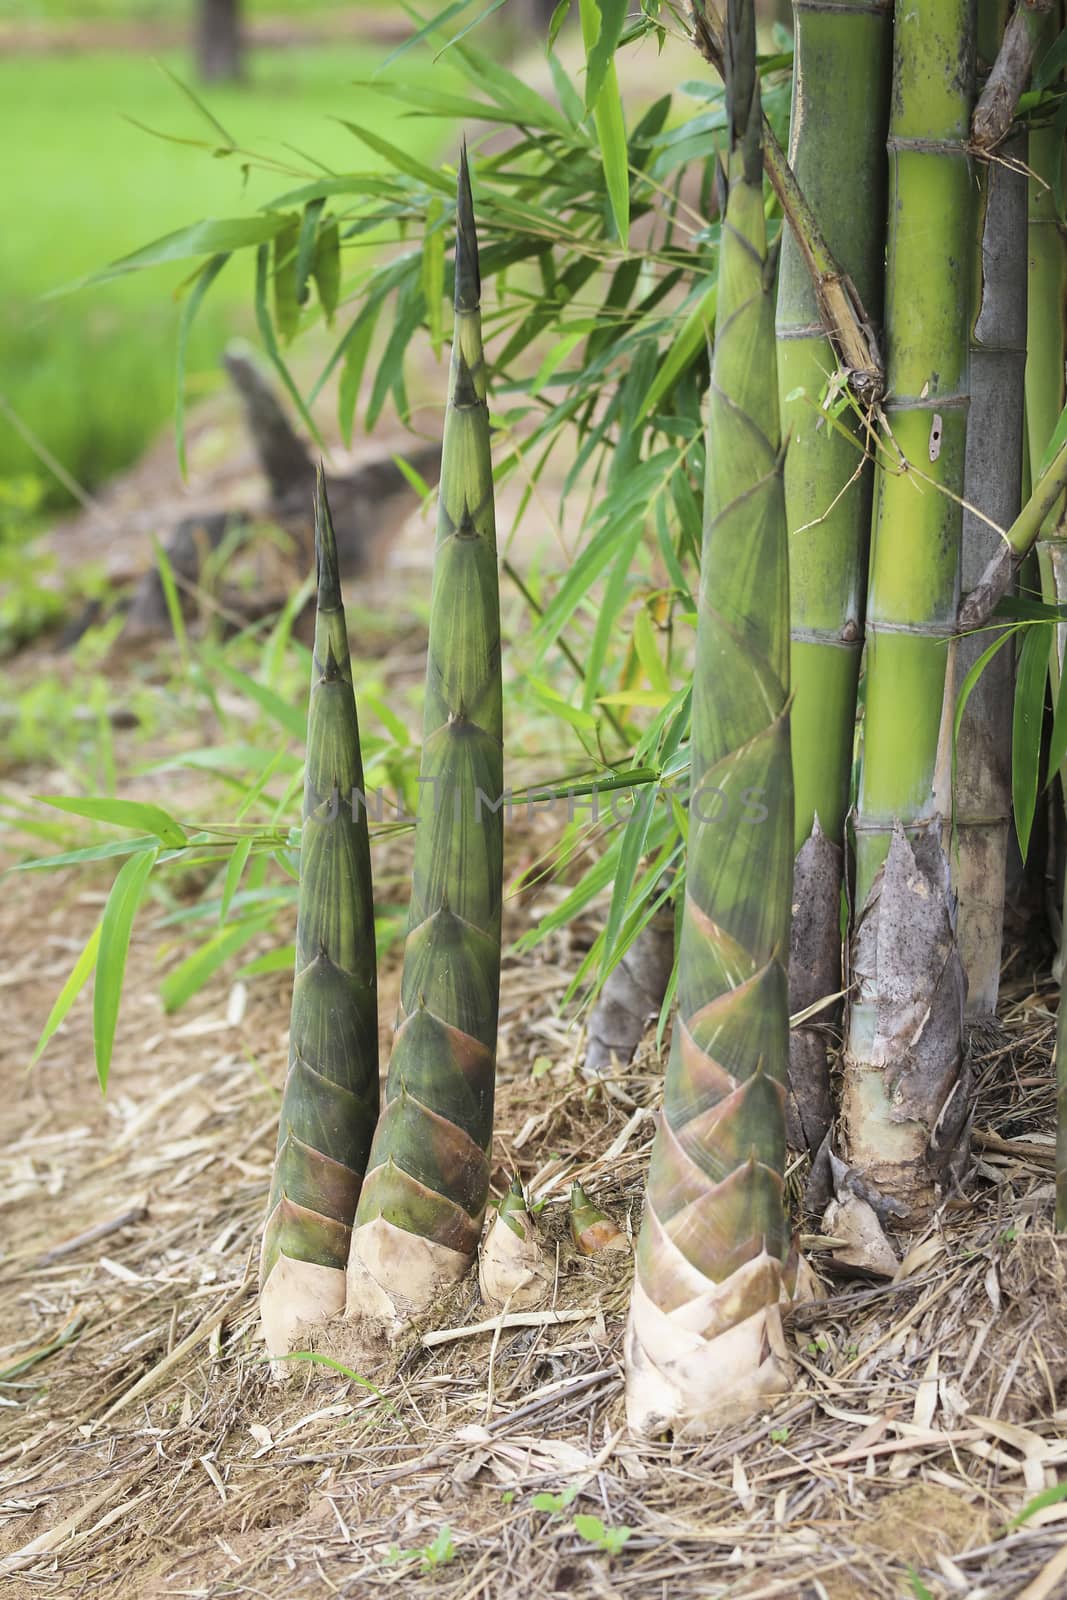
70, 991
1026, 731
270, 343
602, 24
235, 867
326, 267
121, 814
611, 132
201, 239
115, 927
286, 304
307, 245
181, 984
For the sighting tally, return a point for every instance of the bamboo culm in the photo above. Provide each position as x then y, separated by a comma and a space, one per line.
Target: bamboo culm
330, 1102
423, 1201
704, 1340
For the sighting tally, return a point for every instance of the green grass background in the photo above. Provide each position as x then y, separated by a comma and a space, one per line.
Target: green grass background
92, 373
68, 11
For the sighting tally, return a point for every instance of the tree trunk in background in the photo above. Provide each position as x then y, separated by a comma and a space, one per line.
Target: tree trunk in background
219, 53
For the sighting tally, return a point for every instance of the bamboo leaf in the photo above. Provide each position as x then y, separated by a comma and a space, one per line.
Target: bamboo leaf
693, 335
569, 98
286, 288
115, 927
1026, 731
389, 376
326, 267
181, 984
432, 102
357, 348
558, 18
415, 479
633, 848
434, 25
968, 684
95, 852
289, 717
201, 239
173, 601
1053, 1496
433, 273
470, 26
279, 758
1052, 63
1057, 750
610, 125
628, 507
198, 105
601, 27
583, 722
610, 610
602, 24
555, 359
1054, 446
235, 867
635, 697
399, 158
270, 344
70, 991
524, 105
121, 814
280, 960
317, 1357
306, 247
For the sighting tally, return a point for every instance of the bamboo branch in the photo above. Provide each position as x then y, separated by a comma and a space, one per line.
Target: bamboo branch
847, 324
978, 606
995, 111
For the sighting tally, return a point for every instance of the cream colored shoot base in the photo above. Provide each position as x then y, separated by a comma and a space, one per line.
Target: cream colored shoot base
297, 1296
710, 1361
395, 1276
512, 1269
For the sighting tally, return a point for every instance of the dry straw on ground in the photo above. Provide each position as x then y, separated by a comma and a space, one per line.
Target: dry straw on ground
144, 1451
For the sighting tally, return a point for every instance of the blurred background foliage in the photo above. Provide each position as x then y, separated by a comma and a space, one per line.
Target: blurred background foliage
92, 374
597, 215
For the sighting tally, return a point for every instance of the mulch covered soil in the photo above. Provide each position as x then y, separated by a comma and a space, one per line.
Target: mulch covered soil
145, 1450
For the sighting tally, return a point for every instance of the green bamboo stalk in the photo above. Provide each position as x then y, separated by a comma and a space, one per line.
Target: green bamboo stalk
843, 312
1047, 337
704, 1339
992, 488
837, 153
423, 1200
1045, 397
904, 1100
330, 1102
